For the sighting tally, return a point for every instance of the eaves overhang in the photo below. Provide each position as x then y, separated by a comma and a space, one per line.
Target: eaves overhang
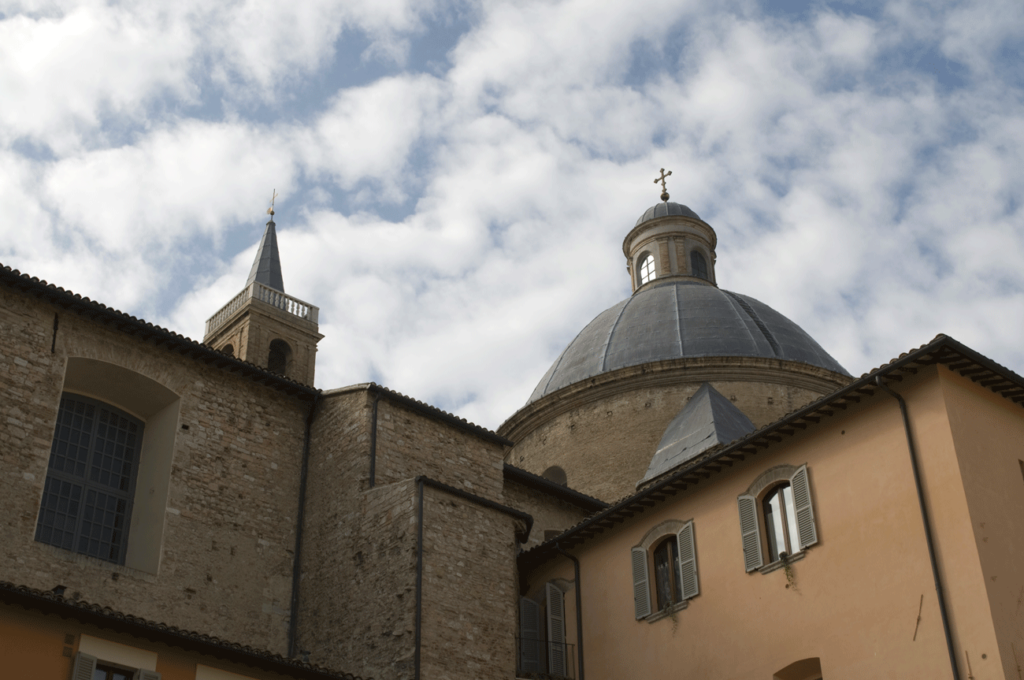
943, 350
150, 333
106, 618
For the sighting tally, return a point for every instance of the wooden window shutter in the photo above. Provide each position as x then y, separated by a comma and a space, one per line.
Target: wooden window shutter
751, 533
804, 512
556, 630
687, 562
84, 666
146, 675
641, 587
529, 635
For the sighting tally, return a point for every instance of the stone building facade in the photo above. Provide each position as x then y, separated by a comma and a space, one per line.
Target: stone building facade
198, 511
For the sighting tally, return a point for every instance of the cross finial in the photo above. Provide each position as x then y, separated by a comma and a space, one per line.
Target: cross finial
664, 191
270, 210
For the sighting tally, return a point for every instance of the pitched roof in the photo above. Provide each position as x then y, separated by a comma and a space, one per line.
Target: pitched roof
943, 350
707, 420
147, 332
266, 268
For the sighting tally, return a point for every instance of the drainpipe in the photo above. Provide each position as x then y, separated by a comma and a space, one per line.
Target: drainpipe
373, 442
579, 610
293, 628
927, 526
419, 577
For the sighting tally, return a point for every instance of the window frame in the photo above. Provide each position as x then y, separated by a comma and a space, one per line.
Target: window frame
652, 271
684, 571
752, 516
66, 415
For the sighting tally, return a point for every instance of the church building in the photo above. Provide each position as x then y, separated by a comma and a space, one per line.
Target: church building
695, 489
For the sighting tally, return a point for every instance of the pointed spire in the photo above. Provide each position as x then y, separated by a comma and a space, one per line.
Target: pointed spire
267, 267
707, 420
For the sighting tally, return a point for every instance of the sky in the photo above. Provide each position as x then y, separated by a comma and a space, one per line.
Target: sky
455, 178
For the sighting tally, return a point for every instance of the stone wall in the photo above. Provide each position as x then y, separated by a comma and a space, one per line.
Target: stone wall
469, 590
603, 432
549, 513
225, 563
359, 564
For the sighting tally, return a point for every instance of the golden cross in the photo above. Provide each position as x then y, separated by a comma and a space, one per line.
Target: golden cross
270, 210
664, 191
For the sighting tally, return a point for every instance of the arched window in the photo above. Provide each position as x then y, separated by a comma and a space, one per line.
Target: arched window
776, 516
228, 349
668, 553
647, 272
90, 482
781, 533
666, 573
698, 265
280, 357
556, 474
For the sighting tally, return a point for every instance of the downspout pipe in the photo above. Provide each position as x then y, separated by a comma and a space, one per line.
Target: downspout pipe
373, 442
927, 526
293, 627
579, 610
419, 577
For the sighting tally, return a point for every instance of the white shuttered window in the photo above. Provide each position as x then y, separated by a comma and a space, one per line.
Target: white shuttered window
556, 630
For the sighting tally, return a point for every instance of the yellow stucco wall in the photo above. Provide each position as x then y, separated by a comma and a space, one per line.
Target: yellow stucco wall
857, 592
989, 434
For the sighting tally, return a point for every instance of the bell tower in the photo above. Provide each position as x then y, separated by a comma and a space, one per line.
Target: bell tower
263, 325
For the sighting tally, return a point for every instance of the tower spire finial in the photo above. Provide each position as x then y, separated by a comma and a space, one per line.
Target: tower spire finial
273, 197
664, 191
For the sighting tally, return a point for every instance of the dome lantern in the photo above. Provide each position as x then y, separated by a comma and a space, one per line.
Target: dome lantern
670, 240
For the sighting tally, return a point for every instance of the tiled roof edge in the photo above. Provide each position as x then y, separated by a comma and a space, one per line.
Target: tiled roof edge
547, 486
1007, 382
434, 412
94, 614
149, 332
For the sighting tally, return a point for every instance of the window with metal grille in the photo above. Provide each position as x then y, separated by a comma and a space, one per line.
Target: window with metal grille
90, 482
647, 272
698, 265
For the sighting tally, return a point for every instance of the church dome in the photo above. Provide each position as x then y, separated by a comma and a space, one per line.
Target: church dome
665, 209
679, 319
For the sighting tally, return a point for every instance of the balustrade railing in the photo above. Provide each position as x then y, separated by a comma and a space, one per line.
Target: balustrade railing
272, 297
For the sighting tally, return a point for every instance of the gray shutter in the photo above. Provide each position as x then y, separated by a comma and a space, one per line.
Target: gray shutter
687, 562
556, 630
146, 675
804, 511
529, 635
641, 587
750, 530
84, 666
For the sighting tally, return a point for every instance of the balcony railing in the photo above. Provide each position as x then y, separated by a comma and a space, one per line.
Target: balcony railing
545, 660
272, 297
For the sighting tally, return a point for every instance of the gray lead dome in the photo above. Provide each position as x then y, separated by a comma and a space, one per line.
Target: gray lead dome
676, 320
664, 210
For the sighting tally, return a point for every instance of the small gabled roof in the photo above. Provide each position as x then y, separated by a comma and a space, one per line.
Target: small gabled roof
266, 268
943, 350
707, 420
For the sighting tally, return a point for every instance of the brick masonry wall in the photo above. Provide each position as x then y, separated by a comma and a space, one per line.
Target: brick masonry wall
359, 564
605, 446
226, 558
549, 513
411, 444
469, 590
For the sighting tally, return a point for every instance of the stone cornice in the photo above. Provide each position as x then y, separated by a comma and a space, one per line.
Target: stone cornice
669, 373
